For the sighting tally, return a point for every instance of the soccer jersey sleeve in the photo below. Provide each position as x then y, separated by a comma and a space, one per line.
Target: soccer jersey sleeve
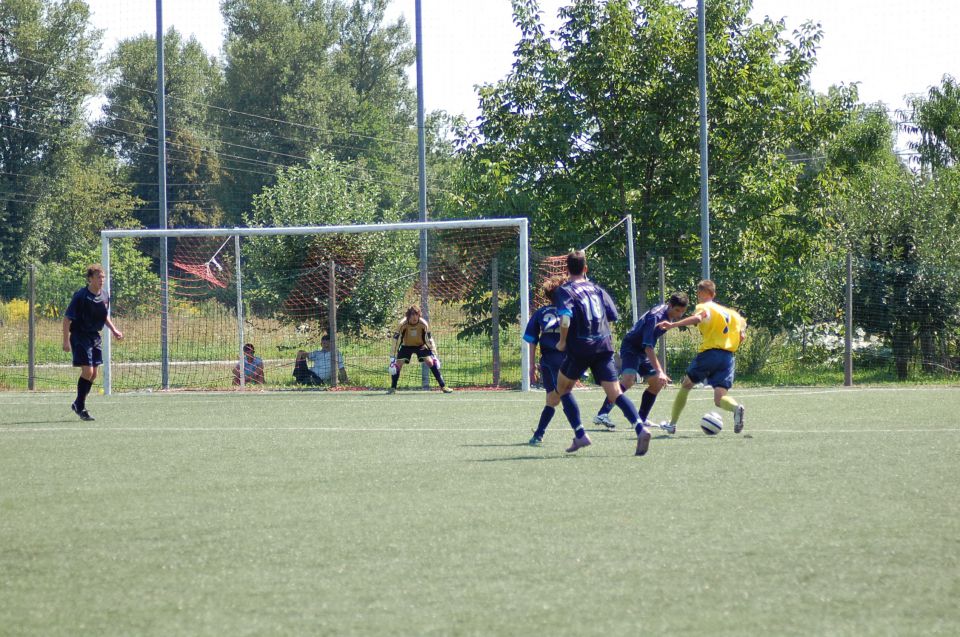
648, 331
609, 307
73, 310
532, 332
564, 301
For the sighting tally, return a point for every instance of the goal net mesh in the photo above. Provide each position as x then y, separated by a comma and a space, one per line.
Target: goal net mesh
284, 293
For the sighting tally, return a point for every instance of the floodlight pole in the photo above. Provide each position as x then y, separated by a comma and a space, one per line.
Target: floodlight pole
704, 157
162, 185
422, 164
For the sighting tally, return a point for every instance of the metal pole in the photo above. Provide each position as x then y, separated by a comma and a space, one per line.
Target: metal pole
107, 368
422, 163
662, 347
240, 337
32, 330
495, 319
332, 324
524, 249
162, 179
704, 163
632, 269
848, 327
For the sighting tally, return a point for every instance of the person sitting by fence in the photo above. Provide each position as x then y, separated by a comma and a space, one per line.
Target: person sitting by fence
321, 370
252, 367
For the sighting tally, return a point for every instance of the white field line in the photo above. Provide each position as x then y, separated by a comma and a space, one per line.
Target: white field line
415, 396
97, 429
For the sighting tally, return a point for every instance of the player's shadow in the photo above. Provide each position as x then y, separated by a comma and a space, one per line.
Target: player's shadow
509, 444
552, 456
37, 422
517, 458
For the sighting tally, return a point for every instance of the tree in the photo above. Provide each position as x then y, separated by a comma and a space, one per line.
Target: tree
937, 122
47, 55
129, 127
602, 120
89, 194
321, 193
303, 75
908, 278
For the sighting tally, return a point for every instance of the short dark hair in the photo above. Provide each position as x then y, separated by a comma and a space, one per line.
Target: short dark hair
325, 337
94, 270
576, 262
413, 309
248, 348
679, 299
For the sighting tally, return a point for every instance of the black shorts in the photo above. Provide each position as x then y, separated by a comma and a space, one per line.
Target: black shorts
406, 351
86, 350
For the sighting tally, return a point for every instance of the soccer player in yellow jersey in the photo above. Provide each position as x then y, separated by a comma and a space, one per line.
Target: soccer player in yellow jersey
413, 338
723, 330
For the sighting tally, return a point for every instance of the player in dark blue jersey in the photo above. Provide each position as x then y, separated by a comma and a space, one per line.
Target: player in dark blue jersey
586, 311
86, 315
638, 358
543, 328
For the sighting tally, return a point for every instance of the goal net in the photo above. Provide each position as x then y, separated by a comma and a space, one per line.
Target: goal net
282, 290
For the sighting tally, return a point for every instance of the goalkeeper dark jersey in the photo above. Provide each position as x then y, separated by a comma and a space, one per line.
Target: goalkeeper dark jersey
416, 335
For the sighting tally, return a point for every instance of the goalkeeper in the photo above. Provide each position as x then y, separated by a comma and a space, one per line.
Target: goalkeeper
413, 338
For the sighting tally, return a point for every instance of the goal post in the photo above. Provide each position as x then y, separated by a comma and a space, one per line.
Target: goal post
292, 299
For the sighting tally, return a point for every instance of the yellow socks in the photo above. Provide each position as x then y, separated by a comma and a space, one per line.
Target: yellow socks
728, 404
678, 404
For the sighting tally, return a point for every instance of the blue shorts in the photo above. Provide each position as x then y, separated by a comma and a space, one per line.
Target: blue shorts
714, 367
602, 365
86, 350
548, 375
633, 362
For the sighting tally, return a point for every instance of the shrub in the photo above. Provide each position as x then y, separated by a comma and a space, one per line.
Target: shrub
754, 353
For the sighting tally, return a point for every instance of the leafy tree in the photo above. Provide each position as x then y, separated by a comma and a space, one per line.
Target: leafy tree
90, 194
601, 119
908, 279
129, 127
47, 54
321, 193
303, 75
937, 122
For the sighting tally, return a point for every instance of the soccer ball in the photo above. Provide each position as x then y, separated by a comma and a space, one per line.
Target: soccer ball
711, 423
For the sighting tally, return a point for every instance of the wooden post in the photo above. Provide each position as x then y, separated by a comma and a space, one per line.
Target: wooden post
332, 322
495, 320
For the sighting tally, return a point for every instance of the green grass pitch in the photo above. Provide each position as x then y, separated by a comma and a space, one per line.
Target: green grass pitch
836, 512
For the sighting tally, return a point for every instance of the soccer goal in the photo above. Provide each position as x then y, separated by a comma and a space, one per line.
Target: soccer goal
610, 256
282, 290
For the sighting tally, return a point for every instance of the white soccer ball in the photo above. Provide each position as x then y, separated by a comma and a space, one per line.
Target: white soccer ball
711, 423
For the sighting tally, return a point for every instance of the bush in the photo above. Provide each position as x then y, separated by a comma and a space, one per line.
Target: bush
14, 311
754, 353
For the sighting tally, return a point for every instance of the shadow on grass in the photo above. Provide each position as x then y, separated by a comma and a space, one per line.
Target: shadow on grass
40, 422
509, 444
516, 458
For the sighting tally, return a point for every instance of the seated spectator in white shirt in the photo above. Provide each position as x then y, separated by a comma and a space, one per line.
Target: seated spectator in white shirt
320, 365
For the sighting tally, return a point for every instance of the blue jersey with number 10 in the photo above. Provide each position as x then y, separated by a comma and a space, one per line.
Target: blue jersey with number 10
591, 310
